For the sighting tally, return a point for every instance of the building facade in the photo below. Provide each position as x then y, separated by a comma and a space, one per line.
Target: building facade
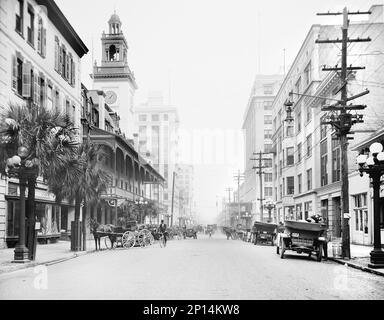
307, 168
257, 129
157, 126
187, 208
40, 64
114, 76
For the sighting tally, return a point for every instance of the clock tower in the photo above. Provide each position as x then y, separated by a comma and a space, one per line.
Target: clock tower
115, 77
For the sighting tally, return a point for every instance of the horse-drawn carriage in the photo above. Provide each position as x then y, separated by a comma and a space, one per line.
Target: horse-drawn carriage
126, 237
264, 232
302, 237
190, 233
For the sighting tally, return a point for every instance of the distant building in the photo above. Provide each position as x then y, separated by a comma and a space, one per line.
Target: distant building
185, 179
257, 129
114, 76
40, 64
157, 125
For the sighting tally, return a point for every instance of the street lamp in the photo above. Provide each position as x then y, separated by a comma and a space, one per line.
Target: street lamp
141, 203
374, 166
270, 205
19, 167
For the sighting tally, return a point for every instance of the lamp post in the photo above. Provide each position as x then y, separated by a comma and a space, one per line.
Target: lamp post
141, 203
19, 167
374, 166
270, 205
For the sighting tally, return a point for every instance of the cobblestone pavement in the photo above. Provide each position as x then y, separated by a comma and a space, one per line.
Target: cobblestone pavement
206, 268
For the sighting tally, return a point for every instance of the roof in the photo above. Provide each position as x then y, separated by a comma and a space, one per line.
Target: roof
114, 19
61, 23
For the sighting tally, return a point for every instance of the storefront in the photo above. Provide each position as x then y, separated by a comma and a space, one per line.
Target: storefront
54, 218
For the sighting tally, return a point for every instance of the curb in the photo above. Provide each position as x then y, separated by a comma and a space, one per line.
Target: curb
46, 263
355, 266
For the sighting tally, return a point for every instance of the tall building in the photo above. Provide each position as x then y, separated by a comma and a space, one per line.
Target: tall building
307, 162
114, 76
157, 126
40, 63
185, 179
257, 129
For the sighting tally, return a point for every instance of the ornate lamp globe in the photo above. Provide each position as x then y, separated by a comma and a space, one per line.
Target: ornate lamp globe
376, 148
361, 159
16, 160
22, 152
380, 156
370, 161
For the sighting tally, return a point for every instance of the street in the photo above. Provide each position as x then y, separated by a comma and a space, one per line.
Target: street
206, 268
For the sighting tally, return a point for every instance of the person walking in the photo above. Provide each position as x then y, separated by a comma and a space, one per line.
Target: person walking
163, 231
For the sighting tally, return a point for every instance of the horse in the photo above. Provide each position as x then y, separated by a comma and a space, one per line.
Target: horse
105, 228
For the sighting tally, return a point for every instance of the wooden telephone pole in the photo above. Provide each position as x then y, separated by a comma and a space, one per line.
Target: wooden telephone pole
260, 172
238, 177
229, 190
342, 120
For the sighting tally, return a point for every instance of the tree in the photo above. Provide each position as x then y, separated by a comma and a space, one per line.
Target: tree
45, 137
83, 181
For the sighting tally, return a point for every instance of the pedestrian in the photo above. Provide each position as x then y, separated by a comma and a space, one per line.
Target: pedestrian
163, 231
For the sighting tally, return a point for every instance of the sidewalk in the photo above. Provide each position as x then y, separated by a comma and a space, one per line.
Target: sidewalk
45, 254
360, 258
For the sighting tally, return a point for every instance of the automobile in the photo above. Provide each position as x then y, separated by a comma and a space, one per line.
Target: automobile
190, 233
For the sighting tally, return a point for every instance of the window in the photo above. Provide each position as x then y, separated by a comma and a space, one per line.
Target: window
309, 145
309, 114
41, 38
299, 183
283, 186
298, 85
165, 117
268, 191
290, 156
298, 120
43, 92
142, 117
307, 209
57, 54
290, 185
281, 167
267, 119
267, 147
289, 129
324, 162
166, 196
268, 89
336, 163
267, 134
309, 179
267, 105
299, 152
20, 16
307, 74
299, 211
17, 74
281, 191
30, 26
268, 163
361, 213
268, 177
155, 117
63, 61
323, 128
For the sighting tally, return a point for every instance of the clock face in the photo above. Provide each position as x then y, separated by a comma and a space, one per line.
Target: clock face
110, 97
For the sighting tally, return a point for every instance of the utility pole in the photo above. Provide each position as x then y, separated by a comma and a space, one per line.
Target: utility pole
173, 196
239, 177
342, 120
260, 167
229, 190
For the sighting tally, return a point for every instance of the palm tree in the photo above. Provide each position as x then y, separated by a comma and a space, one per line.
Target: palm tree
83, 181
45, 136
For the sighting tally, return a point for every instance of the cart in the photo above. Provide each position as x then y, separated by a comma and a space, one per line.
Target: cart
190, 233
302, 237
264, 232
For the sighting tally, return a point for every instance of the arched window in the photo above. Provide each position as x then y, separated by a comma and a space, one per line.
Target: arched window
112, 53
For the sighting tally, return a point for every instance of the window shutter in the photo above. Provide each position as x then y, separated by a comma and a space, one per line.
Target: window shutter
39, 36
36, 89
44, 43
67, 67
14, 72
26, 92
57, 54
69, 78
73, 73
61, 50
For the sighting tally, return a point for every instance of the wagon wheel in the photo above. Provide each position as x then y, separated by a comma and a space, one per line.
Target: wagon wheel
128, 239
142, 238
151, 239
282, 249
148, 239
319, 253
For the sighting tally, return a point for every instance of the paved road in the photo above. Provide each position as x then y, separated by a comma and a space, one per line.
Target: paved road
205, 268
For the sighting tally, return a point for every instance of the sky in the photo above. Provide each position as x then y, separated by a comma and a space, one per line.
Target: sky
204, 55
